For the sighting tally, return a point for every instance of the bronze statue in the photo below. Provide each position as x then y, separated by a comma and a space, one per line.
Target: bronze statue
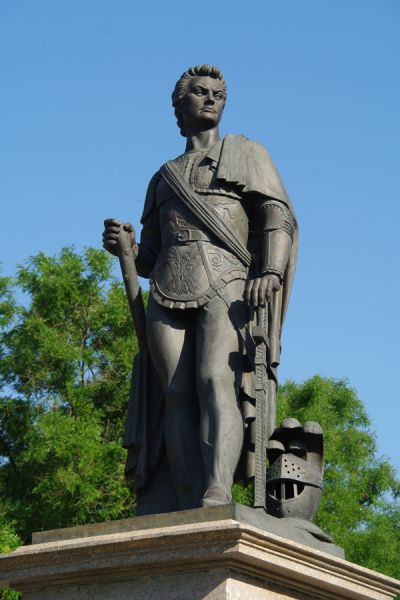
218, 244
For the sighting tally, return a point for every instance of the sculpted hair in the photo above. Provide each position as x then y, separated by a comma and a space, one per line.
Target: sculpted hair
182, 85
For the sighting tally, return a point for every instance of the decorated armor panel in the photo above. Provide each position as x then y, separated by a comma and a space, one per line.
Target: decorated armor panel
192, 266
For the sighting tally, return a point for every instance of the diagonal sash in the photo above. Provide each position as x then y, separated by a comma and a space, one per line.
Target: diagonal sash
204, 212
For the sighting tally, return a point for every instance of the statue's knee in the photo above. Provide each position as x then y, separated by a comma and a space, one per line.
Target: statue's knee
216, 384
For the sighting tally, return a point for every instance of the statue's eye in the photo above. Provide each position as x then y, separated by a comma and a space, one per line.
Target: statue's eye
218, 95
198, 91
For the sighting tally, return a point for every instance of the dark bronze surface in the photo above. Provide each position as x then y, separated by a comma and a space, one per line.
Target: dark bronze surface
219, 244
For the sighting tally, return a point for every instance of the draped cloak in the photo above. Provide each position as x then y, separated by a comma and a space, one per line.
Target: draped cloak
248, 165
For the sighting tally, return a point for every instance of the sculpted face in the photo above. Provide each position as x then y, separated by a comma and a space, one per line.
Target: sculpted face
203, 104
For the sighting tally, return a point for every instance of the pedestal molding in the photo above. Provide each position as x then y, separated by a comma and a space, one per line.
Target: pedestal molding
227, 544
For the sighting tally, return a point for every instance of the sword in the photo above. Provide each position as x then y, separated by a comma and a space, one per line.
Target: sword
260, 335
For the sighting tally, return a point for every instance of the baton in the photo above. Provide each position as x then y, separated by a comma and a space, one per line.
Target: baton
132, 286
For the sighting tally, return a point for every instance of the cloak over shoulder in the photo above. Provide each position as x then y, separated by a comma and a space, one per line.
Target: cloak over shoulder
248, 165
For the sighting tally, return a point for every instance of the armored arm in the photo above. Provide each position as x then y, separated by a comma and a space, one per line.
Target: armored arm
148, 248
150, 238
272, 226
276, 227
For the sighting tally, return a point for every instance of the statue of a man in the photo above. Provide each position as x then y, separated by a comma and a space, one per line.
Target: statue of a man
217, 242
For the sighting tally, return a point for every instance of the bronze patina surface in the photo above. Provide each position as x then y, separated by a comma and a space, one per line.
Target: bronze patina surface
219, 245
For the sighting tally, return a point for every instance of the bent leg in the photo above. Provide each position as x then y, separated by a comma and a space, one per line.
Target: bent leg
172, 348
219, 368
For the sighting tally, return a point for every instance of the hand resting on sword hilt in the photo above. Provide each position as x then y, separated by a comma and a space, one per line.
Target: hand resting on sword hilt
259, 290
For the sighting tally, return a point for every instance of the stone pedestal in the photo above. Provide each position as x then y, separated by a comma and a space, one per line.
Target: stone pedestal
213, 554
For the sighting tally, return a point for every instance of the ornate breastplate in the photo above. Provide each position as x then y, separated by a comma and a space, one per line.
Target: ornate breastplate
192, 266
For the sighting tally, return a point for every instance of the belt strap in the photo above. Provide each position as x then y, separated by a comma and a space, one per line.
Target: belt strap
187, 235
204, 212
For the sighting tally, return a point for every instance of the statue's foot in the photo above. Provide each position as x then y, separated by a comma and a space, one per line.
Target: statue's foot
212, 502
215, 497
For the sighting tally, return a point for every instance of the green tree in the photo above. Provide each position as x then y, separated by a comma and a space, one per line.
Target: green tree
360, 507
66, 358
8, 541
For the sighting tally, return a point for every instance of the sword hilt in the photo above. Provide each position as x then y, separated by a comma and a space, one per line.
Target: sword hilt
260, 330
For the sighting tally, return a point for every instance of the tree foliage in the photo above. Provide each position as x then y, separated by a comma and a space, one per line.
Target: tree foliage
360, 507
66, 354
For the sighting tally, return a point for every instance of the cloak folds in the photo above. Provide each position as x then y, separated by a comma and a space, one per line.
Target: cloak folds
143, 435
247, 164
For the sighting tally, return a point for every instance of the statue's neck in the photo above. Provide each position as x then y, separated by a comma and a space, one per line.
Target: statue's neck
202, 140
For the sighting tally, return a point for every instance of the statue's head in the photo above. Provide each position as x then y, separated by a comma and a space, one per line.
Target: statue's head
200, 93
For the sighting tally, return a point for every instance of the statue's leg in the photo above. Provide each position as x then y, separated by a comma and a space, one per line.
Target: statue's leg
219, 367
172, 347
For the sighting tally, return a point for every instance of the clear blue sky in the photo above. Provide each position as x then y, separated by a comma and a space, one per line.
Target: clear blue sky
86, 120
